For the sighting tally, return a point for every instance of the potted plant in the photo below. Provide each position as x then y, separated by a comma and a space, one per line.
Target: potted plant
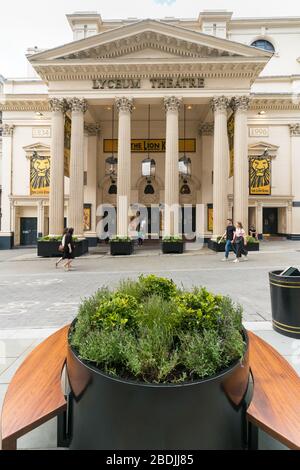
152, 366
48, 246
252, 244
172, 244
121, 246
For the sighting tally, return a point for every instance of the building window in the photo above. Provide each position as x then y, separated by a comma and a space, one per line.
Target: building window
112, 189
263, 44
149, 189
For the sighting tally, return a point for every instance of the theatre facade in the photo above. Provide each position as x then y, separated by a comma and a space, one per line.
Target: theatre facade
145, 115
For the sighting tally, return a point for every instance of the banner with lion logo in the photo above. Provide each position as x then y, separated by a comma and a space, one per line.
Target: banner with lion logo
39, 174
260, 176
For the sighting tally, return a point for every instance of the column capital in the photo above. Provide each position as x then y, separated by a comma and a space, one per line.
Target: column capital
92, 129
58, 104
207, 128
295, 130
172, 103
240, 103
7, 130
219, 103
78, 105
124, 104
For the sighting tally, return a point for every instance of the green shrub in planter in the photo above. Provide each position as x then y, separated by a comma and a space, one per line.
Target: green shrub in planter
153, 332
172, 239
50, 238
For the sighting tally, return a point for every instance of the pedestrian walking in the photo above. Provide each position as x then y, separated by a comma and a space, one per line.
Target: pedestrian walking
228, 236
142, 232
62, 246
240, 241
69, 249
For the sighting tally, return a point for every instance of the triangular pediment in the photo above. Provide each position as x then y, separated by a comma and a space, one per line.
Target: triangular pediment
38, 147
258, 149
148, 35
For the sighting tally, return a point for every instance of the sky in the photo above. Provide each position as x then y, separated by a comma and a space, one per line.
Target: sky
42, 23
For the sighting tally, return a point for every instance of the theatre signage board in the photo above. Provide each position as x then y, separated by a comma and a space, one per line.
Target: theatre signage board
149, 145
156, 83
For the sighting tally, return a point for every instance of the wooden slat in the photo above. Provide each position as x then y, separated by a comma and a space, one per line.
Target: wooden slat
34, 395
275, 406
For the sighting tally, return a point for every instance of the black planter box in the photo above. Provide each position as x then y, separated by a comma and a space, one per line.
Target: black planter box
285, 301
107, 412
50, 249
220, 247
121, 248
172, 247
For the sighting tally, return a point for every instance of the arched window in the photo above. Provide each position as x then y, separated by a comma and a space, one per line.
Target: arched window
112, 189
149, 189
185, 189
263, 44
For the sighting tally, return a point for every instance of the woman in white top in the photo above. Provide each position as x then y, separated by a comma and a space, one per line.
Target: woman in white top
240, 241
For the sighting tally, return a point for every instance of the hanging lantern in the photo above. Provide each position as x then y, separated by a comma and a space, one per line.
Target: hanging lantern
184, 166
148, 167
111, 162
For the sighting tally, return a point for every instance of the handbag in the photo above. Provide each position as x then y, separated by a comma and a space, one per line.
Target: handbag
61, 248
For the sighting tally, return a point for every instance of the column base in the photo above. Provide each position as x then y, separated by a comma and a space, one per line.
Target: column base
6, 240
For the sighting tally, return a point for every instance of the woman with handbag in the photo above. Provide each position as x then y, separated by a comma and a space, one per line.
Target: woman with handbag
69, 248
62, 246
240, 241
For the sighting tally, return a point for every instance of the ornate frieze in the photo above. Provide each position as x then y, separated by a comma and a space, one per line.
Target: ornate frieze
172, 103
78, 105
219, 103
295, 130
124, 104
25, 105
58, 104
92, 129
240, 103
207, 129
7, 130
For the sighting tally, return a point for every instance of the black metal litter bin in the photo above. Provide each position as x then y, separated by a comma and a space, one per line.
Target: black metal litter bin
285, 302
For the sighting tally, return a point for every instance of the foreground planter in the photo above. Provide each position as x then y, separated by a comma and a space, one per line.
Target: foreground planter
285, 301
220, 247
50, 249
121, 248
112, 413
172, 247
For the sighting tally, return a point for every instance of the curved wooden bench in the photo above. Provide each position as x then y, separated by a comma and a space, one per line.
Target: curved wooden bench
275, 405
35, 395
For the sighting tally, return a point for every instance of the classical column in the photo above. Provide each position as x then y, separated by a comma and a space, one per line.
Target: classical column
90, 195
6, 235
295, 190
240, 105
172, 105
56, 196
40, 218
124, 107
220, 175
75, 212
259, 219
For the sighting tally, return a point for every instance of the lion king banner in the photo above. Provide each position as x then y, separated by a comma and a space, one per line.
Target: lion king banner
260, 176
39, 174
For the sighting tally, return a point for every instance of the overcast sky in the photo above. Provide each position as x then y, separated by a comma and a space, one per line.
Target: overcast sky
42, 23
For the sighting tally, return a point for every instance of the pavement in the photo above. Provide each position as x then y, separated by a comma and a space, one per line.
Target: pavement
36, 299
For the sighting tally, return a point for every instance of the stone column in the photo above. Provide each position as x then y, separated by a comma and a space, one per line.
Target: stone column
90, 195
56, 196
259, 219
124, 107
295, 190
6, 234
75, 212
289, 218
40, 218
220, 178
241, 163
172, 105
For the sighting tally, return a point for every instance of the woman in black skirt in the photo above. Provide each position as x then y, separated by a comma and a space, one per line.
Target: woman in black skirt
69, 249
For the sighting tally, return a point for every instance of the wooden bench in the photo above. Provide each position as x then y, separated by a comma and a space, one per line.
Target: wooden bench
35, 394
275, 405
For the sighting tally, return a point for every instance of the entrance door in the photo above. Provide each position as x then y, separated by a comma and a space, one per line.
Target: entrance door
270, 218
188, 222
28, 230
